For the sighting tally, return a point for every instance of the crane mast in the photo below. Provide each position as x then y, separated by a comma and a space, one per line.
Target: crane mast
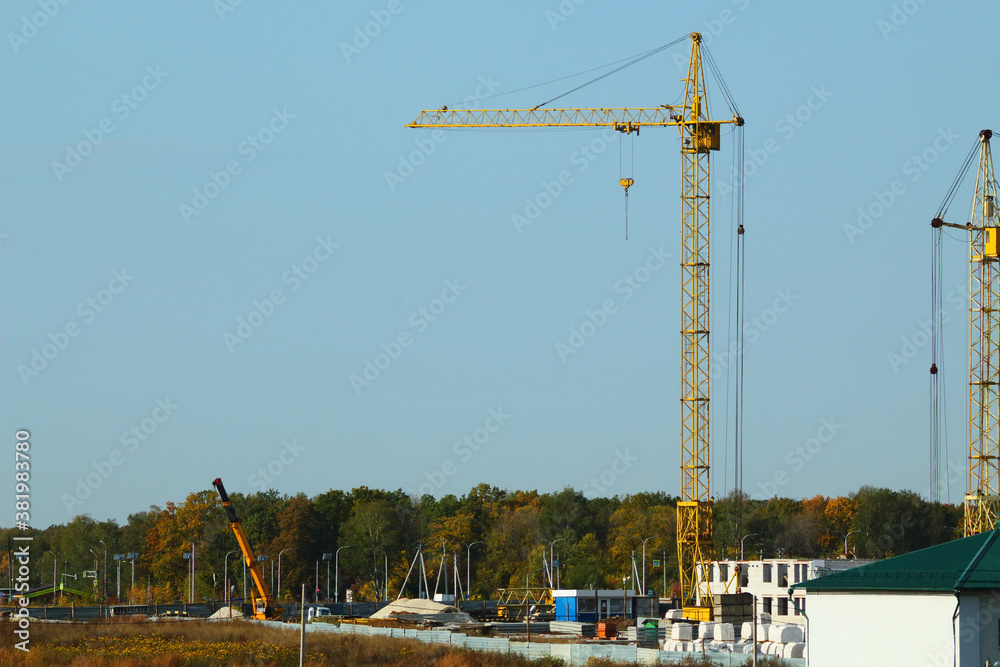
261, 602
699, 136
982, 498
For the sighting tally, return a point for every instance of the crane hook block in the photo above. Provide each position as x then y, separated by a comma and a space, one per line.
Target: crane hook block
626, 183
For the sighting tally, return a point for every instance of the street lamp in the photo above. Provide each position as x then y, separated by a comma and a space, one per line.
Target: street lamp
55, 561
743, 538
132, 556
846, 535
336, 570
327, 557
279, 568
120, 558
95, 570
105, 577
225, 580
651, 537
552, 582
468, 568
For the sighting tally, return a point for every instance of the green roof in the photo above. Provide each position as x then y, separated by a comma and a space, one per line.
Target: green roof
971, 563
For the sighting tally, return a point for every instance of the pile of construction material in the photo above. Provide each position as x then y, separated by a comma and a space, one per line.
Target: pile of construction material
422, 611
225, 614
776, 639
573, 628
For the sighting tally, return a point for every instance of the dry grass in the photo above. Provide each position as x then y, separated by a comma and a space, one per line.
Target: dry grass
228, 644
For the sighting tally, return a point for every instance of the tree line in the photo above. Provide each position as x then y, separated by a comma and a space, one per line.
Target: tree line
501, 538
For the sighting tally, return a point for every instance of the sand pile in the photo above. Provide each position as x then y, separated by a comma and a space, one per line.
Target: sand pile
225, 613
413, 606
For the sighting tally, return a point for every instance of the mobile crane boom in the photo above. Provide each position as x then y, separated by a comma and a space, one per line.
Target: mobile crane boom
263, 605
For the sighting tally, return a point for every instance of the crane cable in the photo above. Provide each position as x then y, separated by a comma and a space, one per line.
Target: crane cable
626, 182
938, 397
735, 340
632, 61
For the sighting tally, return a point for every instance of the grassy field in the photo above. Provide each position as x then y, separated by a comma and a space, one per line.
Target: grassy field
231, 644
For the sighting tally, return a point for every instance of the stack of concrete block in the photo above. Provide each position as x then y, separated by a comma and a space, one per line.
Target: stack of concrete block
674, 614
706, 630
732, 607
746, 631
672, 645
681, 632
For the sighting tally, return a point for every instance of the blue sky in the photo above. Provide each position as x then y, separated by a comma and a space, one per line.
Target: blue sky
214, 217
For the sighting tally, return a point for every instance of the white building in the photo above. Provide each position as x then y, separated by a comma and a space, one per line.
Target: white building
769, 580
936, 606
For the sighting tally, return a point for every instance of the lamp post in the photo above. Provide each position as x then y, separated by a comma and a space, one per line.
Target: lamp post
552, 558
105, 577
118, 591
55, 561
651, 537
96, 570
327, 557
132, 556
336, 572
225, 580
279, 568
743, 538
468, 568
846, 535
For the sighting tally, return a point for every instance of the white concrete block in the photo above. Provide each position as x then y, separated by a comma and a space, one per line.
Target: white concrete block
674, 614
724, 632
786, 634
681, 632
746, 632
762, 630
795, 650
706, 630
773, 632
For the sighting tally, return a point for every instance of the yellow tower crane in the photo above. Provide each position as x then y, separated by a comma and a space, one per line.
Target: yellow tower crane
699, 135
982, 498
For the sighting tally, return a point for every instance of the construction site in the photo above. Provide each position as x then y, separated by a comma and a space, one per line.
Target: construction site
711, 399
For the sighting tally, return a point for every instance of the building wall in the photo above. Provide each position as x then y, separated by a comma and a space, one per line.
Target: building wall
879, 628
980, 620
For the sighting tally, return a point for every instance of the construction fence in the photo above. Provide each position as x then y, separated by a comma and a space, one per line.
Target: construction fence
571, 654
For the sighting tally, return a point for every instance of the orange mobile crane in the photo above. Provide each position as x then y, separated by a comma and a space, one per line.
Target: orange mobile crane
262, 603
